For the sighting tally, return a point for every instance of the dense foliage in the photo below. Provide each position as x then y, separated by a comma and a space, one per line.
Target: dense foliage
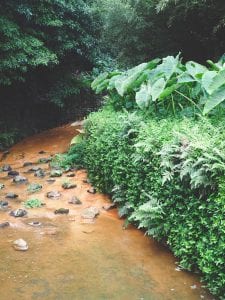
44, 46
166, 84
161, 160
144, 29
167, 177
42, 33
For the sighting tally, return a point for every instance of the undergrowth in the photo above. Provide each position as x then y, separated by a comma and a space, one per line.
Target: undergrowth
167, 177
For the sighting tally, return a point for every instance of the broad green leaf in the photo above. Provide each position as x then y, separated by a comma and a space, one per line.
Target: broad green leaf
119, 84
138, 82
218, 80
215, 66
157, 88
215, 99
98, 80
128, 81
102, 86
168, 91
112, 82
195, 69
143, 96
153, 63
185, 78
207, 79
114, 73
168, 66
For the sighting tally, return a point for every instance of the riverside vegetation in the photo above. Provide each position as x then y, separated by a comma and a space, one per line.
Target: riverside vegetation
157, 147
157, 144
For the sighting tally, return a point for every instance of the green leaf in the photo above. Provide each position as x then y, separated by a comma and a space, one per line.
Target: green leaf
127, 83
143, 96
215, 99
98, 80
185, 78
102, 86
168, 91
168, 66
194, 69
157, 88
207, 79
218, 80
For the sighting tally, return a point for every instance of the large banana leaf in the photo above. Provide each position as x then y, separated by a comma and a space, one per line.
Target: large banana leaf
168, 66
127, 82
207, 80
98, 80
157, 88
215, 99
143, 96
195, 69
217, 82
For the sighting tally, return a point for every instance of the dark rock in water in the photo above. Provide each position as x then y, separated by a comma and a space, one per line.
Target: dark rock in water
5, 224
50, 180
6, 168
20, 245
13, 173
56, 173
70, 175
90, 212
19, 179
18, 213
62, 211
41, 152
35, 223
68, 185
53, 194
86, 181
2, 186
39, 173
91, 191
75, 200
3, 205
27, 164
44, 160
109, 206
34, 169
11, 196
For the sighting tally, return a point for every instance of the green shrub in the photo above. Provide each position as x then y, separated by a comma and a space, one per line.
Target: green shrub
167, 177
33, 203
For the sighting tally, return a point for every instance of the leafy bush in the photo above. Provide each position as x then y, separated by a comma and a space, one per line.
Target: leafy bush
33, 203
7, 139
166, 176
167, 84
34, 187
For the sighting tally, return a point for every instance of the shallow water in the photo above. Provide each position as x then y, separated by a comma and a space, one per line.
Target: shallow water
71, 258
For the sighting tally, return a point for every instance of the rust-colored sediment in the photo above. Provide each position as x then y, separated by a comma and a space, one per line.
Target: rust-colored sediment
69, 258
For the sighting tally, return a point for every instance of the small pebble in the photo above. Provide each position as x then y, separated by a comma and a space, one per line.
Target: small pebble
20, 245
91, 191
62, 211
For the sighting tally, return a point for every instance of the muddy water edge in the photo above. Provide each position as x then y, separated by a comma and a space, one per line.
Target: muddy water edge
70, 257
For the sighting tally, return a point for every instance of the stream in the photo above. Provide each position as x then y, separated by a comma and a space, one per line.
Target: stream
73, 257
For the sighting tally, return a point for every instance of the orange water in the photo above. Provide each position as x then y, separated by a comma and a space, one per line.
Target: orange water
69, 258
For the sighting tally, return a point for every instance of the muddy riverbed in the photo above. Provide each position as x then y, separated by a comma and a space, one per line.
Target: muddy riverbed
72, 257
